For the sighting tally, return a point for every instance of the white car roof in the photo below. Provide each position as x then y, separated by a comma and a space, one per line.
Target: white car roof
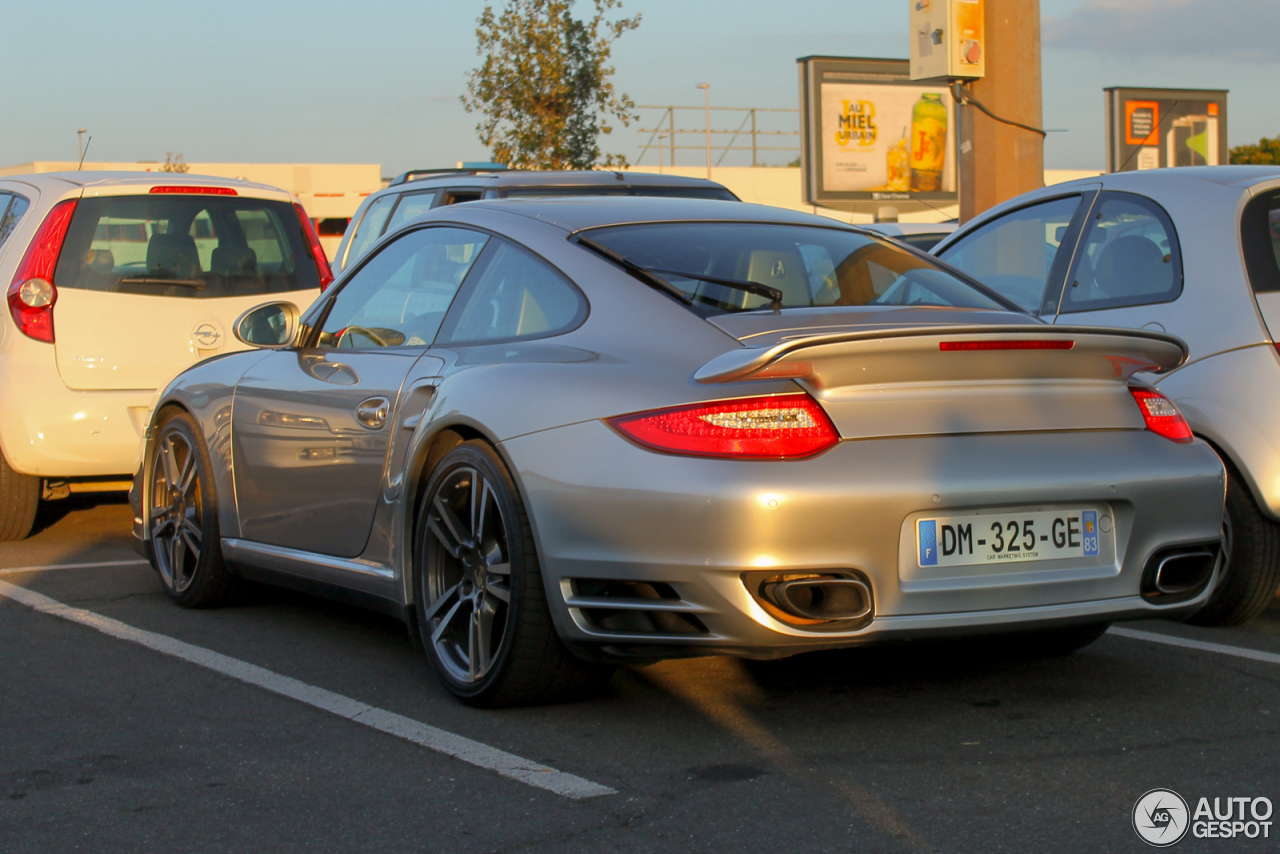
135, 182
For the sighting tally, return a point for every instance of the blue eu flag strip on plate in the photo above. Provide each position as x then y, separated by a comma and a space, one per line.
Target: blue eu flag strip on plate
928, 534
1089, 522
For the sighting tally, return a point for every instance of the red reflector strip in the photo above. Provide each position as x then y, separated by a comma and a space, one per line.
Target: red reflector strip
199, 191
1006, 345
774, 427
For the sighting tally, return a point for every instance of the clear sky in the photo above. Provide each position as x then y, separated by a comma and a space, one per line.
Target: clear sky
378, 81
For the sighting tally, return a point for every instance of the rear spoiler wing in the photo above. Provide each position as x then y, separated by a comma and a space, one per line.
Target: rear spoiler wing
959, 353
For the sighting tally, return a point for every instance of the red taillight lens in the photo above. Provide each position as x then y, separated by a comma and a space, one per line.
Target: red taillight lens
1161, 415
764, 428
32, 292
313, 242
946, 346
199, 191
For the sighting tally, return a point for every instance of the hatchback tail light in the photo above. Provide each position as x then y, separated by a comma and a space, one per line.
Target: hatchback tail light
313, 243
32, 292
764, 428
1162, 417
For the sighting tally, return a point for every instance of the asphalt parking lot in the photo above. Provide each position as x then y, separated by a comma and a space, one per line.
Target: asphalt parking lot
292, 723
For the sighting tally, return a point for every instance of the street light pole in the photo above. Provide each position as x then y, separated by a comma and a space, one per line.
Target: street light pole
80, 143
706, 90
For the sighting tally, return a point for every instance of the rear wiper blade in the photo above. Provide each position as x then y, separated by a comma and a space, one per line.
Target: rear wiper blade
773, 295
644, 275
157, 280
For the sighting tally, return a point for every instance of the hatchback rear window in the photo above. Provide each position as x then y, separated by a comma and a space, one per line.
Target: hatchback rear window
186, 246
811, 266
1260, 239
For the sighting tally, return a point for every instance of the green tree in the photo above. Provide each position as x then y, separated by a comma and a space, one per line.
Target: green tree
174, 163
1266, 152
544, 87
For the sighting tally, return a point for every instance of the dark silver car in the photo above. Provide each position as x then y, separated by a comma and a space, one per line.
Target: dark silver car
555, 434
1189, 251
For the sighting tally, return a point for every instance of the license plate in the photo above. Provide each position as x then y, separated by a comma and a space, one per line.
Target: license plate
1011, 536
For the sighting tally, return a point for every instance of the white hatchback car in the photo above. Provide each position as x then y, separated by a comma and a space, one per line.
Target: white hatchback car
116, 282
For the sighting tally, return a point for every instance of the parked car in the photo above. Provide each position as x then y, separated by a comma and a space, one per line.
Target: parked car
414, 193
922, 235
116, 282
555, 434
1191, 251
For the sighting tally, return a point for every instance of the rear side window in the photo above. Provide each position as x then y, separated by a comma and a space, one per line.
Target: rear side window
1260, 238
515, 295
411, 205
11, 210
192, 246
1128, 256
370, 227
1015, 253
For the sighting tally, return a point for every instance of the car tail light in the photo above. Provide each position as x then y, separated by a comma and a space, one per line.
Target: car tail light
32, 293
1161, 415
1059, 344
774, 427
313, 242
199, 191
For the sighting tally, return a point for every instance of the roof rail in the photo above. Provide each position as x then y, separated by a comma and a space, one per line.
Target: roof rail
417, 174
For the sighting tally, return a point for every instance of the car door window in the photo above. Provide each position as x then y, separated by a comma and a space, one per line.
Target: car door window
6, 225
1128, 256
400, 296
370, 227
411, 205
1014, 254
515, 295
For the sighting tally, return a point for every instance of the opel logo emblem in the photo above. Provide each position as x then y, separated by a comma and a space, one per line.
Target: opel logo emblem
206, 336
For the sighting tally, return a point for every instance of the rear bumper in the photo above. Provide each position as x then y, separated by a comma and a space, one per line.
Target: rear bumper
48, 430
604, 509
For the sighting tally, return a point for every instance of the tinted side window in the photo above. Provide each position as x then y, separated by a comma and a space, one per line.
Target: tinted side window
370, 227
1014, 254
6, 224
400, 296
1128, 256
411, 205
1260, 237
516, 295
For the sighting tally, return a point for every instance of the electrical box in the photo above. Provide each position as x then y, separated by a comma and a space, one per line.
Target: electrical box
947, 39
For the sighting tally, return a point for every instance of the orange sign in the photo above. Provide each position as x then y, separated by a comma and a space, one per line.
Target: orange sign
1141, 120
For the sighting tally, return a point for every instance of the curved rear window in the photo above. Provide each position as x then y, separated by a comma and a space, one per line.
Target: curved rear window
1260, 238
810, 265
194, 246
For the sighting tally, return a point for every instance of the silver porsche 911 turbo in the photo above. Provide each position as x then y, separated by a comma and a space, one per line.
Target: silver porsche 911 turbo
553, 435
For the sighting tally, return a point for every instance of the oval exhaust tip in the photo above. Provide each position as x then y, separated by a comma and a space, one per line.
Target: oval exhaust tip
823, 599
1181, 573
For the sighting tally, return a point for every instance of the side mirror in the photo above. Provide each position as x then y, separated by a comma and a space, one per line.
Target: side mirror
271, 326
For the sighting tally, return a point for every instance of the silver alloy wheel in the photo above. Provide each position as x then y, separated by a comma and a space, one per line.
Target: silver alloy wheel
176, 511
1228, 538
468, 574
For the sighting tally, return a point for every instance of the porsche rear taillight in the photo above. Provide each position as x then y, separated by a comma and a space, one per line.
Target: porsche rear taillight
313, 243
32, 292
775, 427
1162, 417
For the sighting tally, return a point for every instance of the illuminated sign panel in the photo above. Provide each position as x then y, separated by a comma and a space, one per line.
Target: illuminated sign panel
1155, 128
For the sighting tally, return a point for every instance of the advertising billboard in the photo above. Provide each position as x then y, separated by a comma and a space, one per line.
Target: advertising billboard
1156, 128
871, 138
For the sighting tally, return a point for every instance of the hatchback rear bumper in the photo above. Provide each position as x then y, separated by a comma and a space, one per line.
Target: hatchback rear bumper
684, 535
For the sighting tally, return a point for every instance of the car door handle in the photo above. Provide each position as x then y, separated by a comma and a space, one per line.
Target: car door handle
372, 413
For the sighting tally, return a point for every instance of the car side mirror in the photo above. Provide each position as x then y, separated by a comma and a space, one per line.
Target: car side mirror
272, 326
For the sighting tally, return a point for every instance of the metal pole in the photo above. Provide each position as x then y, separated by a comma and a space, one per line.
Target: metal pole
753, 138
706, 90
80, 143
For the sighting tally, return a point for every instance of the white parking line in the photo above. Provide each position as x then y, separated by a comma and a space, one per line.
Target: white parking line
1204, 646
474, 752
16, 569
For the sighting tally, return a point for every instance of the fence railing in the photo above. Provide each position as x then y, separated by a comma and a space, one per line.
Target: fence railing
665, 138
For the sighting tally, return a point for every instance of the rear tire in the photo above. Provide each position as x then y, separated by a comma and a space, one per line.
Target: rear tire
19, 498
184, 543
1252, 571
483, 616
